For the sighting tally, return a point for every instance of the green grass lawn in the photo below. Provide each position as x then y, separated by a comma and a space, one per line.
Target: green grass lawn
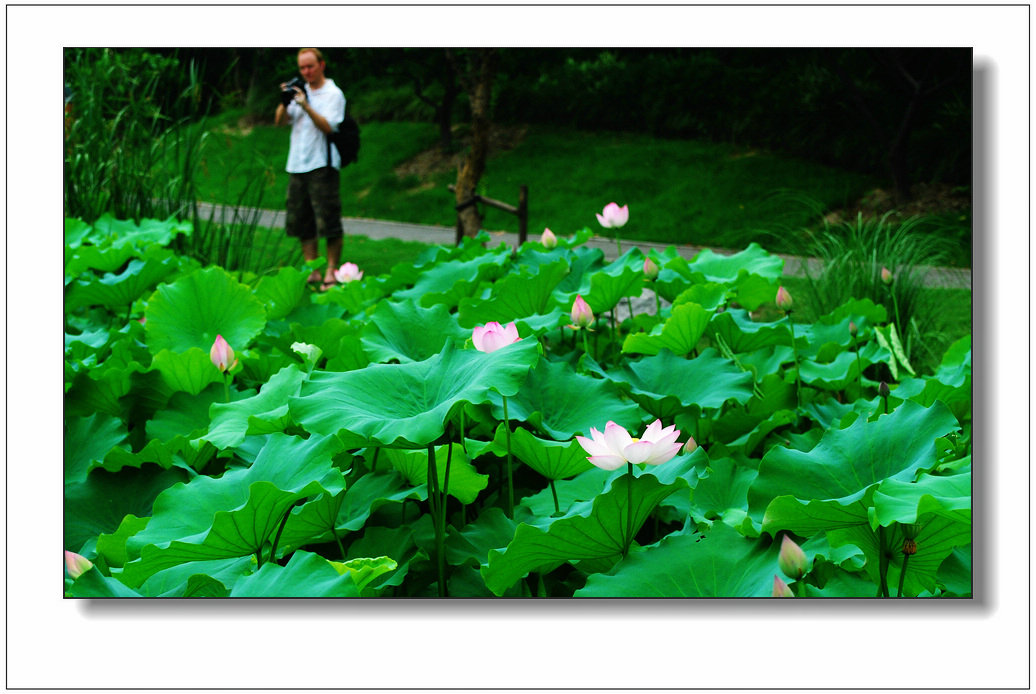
678, 191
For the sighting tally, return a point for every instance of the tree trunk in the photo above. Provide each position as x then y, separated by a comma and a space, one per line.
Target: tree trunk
478, 79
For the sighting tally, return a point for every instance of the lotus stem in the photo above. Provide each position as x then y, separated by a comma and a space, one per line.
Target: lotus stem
226, 387
586, 344
859, 366
435, 503
658, 303
280, 529
795, 353
883, 563
510, 481
629, 510
902, 575
554, 491
341, 548
374, 460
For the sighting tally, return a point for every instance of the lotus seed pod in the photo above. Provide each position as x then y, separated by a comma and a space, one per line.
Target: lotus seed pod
883, 389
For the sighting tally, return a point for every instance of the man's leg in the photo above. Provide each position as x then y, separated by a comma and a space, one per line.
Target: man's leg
334, 258
300, 220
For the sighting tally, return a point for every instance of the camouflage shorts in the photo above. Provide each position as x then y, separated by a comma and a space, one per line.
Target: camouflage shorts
314, 205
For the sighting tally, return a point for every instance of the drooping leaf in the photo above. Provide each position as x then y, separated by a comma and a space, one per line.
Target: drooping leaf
306, 575
552, 459
189, 372
807, 491
465, 481
595, 533
119, 291
407, 405
264, 413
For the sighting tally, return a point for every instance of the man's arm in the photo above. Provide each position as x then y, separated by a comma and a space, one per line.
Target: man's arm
281, 116
318, 120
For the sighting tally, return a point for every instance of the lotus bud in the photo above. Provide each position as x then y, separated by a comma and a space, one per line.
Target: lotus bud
791, 560
781, 589
691, 446
613, 216
76, 564
886, 275
582, 316
222, 355
548, 239
784, 301
650, 269
883, 389
349, 272
492, 336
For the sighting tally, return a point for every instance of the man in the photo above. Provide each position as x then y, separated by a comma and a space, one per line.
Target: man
314, 203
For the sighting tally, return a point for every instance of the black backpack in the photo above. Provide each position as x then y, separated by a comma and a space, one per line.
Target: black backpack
346, 140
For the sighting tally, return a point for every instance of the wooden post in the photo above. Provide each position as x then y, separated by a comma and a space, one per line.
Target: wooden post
523, 214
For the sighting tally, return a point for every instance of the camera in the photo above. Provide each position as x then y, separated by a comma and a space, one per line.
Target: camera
288, 93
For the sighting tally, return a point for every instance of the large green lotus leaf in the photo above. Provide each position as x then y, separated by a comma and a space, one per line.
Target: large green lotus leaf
465, 482
397, 543
111, 547
602, 289
596, 534
76, 232
365, 570
751, 440
843, 370
679, 334
91, 258
955, 573
755, 290
186, 580
190, 371
406, 332
562, 403
665, 384
312, 522
905, 502
583, 487
938, 536
407, 405
844, 466
472, 543
741, 334
121, 290
99, 504
187, 415
520, 294
150, 232
331, 337
708, 295
581, 261
94, 584
283, 292
306, 575
727, 269
719, 564
369, 493
447, 282
723, 493
196, 308
87, 441
264, 413
552, 459
237, 513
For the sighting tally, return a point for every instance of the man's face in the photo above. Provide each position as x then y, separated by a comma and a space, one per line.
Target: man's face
311, 69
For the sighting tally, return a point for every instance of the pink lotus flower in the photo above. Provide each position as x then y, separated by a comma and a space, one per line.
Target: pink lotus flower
691, 446
781, 589
852, 328
886, 275
222, 355
792, 560
613, 216
76, 564
613, 448
784, 301
492, 336
349, 272
548, 239
582, 316
650, 269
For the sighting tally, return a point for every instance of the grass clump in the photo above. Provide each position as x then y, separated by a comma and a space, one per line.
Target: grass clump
853, 255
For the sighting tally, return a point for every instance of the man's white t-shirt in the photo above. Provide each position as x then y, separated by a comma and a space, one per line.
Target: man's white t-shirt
308, 148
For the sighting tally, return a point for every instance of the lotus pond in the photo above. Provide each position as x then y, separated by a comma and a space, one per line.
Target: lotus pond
498, 422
